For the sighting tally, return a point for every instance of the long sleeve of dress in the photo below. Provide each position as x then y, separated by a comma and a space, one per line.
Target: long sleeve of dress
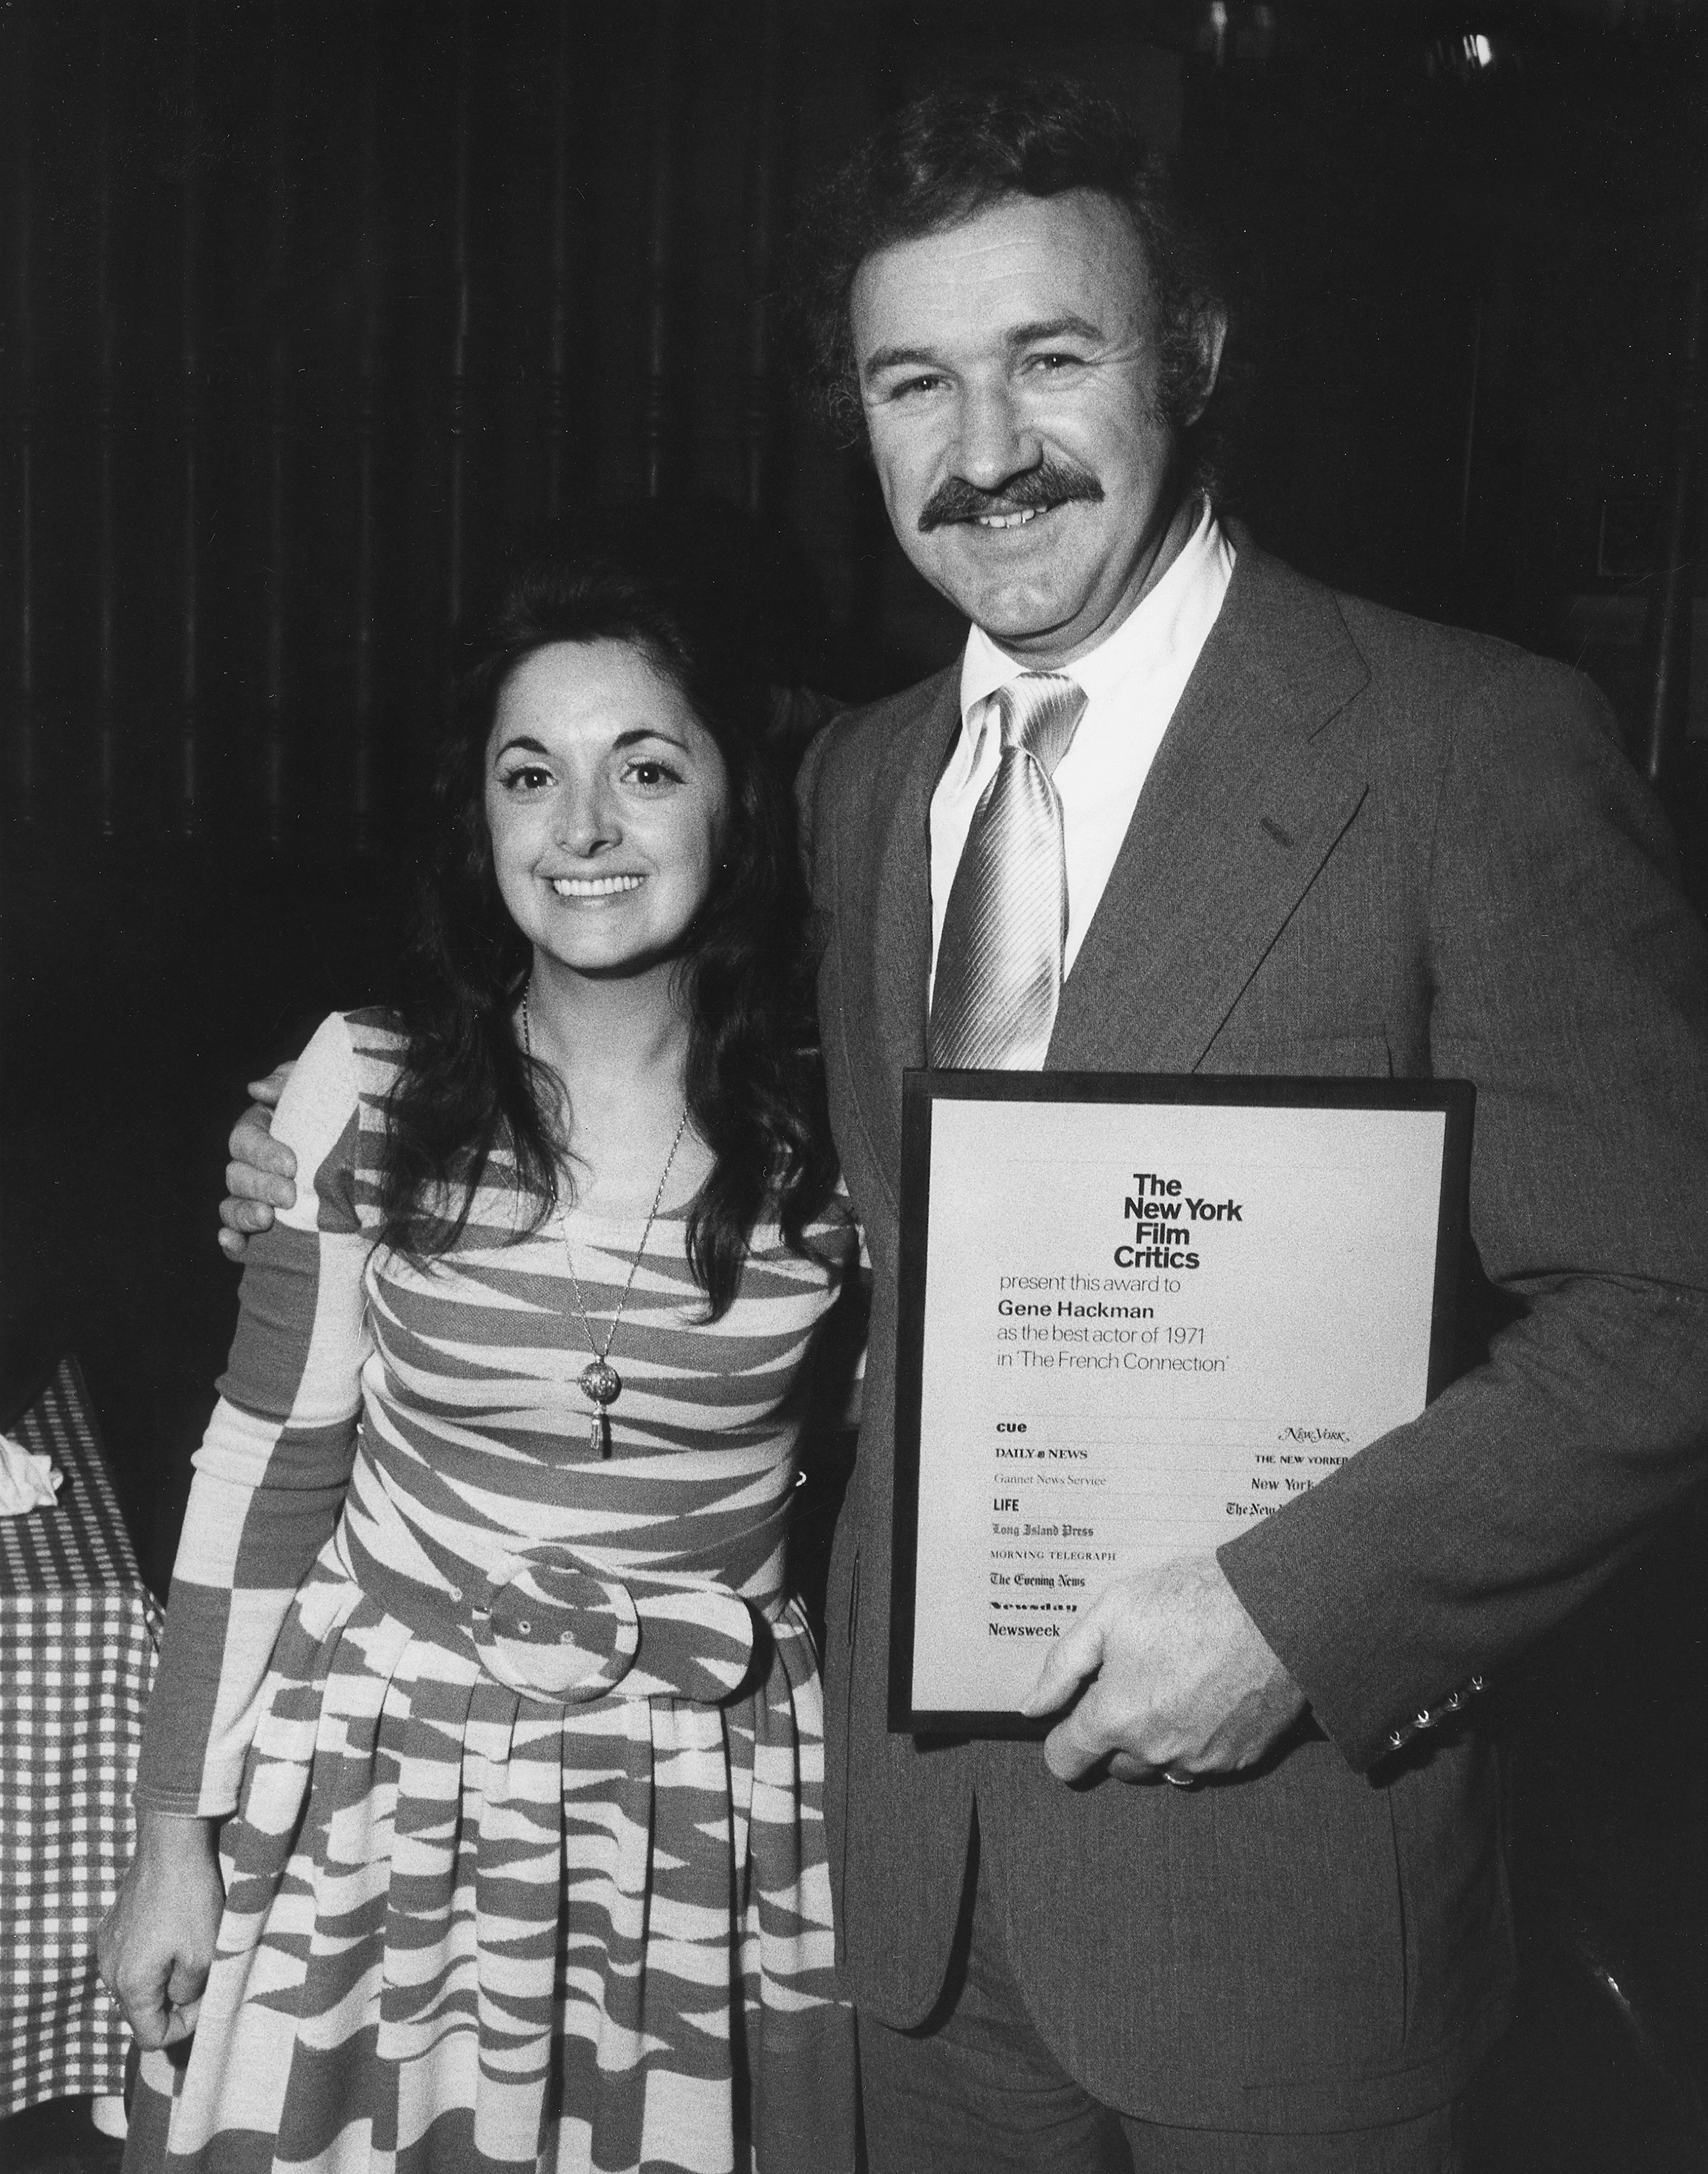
271, 1472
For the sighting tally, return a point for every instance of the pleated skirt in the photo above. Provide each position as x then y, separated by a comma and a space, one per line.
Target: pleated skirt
467, 1931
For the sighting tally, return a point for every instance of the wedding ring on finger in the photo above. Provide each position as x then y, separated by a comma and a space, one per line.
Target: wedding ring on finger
1180, 1781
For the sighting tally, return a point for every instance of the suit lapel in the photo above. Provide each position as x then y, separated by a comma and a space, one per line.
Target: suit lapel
886, 859
1252, 784
1248, 792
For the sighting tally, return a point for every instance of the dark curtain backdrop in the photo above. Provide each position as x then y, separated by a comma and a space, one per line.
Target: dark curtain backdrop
307, 307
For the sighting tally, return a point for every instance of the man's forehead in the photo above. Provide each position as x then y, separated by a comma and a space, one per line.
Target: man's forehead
1020, 263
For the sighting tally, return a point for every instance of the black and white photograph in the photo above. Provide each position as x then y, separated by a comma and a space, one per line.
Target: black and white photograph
853, 1087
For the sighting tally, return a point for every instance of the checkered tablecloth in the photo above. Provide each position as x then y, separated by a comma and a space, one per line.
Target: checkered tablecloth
79, 1631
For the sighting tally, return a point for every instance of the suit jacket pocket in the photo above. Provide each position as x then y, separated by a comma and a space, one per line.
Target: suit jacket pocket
1309, 1862
1363, 1054
1180, 1952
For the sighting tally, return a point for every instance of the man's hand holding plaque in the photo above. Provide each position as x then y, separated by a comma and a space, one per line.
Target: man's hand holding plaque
1176, 1679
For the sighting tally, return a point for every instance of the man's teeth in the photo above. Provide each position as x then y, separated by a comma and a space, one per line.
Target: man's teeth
1009, 520
593, 886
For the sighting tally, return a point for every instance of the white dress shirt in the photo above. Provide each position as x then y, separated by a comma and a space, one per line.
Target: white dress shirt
1133, 680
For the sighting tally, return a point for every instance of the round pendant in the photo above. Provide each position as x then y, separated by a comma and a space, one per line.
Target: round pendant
601, 1383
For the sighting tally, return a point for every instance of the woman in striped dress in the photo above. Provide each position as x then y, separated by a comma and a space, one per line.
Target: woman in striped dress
480, 1809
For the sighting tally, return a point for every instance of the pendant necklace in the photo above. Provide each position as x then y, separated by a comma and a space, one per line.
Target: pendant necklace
600, 1381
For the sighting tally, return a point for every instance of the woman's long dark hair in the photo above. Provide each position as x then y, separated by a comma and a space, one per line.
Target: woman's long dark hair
754, 1082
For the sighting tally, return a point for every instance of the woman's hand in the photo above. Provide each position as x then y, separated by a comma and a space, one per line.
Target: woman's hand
156, 1942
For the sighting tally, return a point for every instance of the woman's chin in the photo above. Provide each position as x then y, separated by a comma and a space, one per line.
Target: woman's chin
600, 965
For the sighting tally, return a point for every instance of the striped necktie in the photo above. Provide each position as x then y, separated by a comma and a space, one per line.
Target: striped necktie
999, 959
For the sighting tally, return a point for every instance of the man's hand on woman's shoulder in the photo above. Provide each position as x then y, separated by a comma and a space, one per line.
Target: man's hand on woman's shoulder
261, 1176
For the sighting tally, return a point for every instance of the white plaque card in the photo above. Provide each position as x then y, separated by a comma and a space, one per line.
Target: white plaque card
1139, 1314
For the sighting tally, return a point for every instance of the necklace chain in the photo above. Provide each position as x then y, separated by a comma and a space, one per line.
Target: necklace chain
601, 1383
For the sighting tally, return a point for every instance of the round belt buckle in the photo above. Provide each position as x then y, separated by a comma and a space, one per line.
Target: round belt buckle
553, 1630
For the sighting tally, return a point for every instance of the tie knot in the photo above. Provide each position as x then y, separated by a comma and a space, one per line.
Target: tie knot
1039, 712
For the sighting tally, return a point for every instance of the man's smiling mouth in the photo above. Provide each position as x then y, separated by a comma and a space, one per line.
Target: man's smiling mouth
1013, 503
594, 886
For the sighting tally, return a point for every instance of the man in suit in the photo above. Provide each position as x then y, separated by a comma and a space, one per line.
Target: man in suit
1247, 1907
1299, 834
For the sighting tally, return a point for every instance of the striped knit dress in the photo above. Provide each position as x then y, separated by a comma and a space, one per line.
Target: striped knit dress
519, 1749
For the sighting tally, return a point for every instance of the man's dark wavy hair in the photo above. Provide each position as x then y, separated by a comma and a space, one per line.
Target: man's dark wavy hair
952, 154
657, 580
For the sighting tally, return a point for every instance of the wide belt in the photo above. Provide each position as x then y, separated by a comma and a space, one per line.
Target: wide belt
564, 1627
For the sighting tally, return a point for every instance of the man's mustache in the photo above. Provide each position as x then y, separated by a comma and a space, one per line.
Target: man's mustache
1051, 483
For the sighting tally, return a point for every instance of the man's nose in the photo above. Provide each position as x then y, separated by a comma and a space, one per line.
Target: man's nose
995, 441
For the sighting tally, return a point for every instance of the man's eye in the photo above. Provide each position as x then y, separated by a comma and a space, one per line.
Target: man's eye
904, 388
1054, 360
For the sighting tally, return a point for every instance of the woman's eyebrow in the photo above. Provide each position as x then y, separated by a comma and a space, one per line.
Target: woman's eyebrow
526, 744
651, 732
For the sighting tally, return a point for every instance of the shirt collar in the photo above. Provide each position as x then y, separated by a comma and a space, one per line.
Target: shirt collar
1154, 628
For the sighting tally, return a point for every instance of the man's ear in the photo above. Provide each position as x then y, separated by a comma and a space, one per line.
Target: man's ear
1212, 337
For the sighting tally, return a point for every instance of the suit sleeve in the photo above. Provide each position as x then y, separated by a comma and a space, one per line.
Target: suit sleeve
1567, 981
805, 795
271, 1472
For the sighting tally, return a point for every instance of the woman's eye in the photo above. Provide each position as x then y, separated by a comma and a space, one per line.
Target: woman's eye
527, 777
649, 772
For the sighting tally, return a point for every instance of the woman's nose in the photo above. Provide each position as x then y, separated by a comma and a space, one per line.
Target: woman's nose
585, 818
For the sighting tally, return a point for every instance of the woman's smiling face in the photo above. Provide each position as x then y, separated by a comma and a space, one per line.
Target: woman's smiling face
605, 799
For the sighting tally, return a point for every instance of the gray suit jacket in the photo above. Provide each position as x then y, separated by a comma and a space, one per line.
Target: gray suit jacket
1368, 845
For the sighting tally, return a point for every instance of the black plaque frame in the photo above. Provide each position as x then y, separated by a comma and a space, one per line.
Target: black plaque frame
1455, 1099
